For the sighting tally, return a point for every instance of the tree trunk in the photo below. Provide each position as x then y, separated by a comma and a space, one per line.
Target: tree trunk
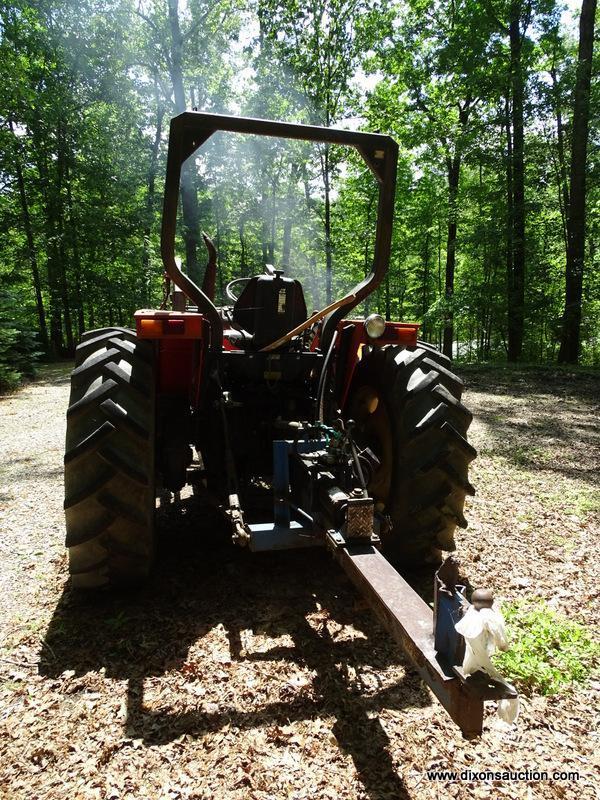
75, 252
563, 189
328, 254
243, 265
31, 253
287, 242
52, 256
221, 262
425, 285
569, 346
453, 179
289, 217
150, 199
189, 197
273, 222
264, 223
388, 305
486, 300
509, 203
61, 163
516, 290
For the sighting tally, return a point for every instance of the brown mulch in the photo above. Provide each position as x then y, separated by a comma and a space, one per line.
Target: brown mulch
264, 676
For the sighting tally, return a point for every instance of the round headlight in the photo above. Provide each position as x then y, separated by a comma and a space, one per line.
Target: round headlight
374, 326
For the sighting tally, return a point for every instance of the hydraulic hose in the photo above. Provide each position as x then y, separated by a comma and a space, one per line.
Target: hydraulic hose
323, 377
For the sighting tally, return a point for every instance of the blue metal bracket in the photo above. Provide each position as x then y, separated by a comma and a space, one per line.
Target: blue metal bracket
448, 610
449, 604
284, 532
281, 482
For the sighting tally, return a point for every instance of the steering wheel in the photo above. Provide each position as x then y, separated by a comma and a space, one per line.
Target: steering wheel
269, 270
229, 288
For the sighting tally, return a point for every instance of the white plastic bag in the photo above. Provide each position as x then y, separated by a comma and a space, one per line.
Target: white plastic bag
484, 633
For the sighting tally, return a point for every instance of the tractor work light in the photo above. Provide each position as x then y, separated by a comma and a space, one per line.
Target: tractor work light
375, 326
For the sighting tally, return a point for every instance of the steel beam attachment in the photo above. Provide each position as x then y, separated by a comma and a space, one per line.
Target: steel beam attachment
410, 621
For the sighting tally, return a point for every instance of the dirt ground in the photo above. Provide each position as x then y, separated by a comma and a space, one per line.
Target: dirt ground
238, 676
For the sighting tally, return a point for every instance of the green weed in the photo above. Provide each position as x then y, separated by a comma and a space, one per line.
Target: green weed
526, 456
117, 621
588, 502
547, 652
574, 498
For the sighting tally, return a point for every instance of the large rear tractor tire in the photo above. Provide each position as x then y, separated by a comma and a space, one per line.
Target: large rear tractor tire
406, 404
109, 460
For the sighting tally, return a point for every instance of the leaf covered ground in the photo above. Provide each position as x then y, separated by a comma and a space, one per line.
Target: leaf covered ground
252, 677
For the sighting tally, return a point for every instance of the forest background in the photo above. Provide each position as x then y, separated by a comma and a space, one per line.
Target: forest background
494, 104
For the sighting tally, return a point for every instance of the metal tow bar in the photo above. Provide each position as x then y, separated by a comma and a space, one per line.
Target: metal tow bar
416, 627
428, 636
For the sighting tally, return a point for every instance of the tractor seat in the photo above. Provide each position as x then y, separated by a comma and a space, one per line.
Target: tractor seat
269, 307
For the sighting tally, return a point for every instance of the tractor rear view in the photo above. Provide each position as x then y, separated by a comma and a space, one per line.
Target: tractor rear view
305, 430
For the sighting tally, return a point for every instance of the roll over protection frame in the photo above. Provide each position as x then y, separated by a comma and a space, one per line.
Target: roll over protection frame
190, 130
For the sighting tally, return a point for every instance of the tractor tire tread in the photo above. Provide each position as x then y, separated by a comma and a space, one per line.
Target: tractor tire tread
90, 442
91, 363
100, 481
91, 399
109, 461
94, 341
117, 414
435, 354
125, 333
141, 349
88, 534
115, 459
429, 476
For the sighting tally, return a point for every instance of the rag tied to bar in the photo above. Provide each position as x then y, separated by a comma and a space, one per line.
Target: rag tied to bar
484, 632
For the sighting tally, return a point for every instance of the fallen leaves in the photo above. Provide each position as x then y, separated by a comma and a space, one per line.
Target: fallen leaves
240, 677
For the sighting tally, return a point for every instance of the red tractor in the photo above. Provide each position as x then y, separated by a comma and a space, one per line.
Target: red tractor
304, 430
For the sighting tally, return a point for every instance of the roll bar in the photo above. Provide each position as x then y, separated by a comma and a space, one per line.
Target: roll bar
188, 131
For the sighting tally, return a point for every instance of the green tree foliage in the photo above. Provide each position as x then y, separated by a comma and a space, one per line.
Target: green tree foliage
479, 95
73, 127
18, 347
437, 84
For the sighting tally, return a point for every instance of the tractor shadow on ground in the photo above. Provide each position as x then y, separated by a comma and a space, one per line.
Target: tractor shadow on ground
54, 374
554, 414
57, 373
203, 582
